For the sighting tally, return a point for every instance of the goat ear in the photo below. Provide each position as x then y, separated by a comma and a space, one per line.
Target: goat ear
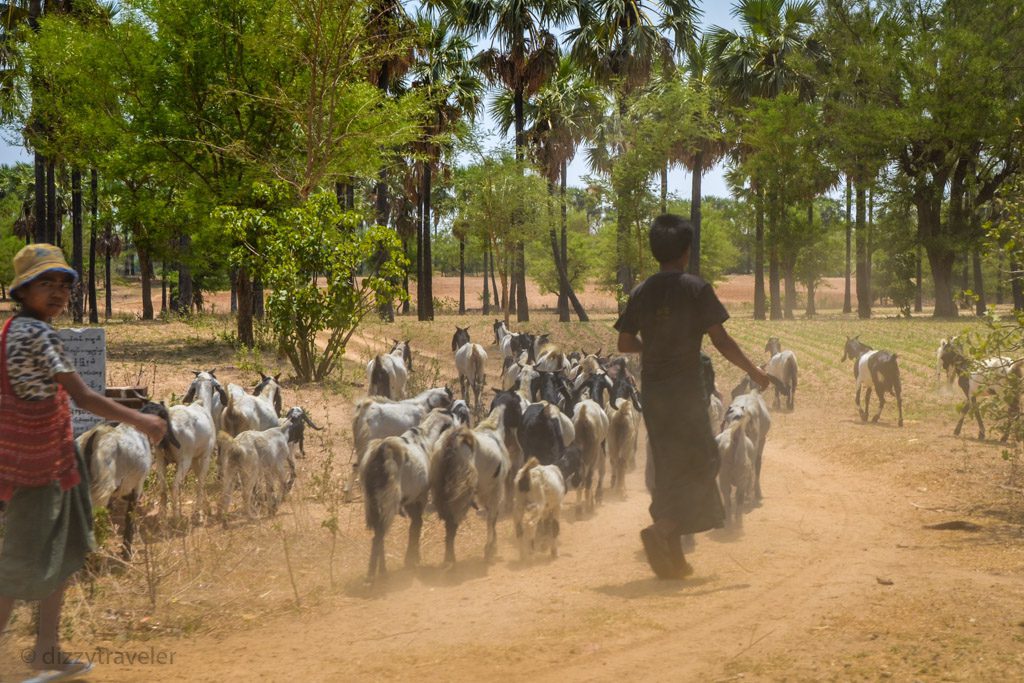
195, 372
277, 376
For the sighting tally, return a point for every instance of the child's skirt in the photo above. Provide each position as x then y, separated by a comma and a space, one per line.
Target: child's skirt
48, 536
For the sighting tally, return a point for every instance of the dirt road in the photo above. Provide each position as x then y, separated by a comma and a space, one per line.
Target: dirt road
822, 583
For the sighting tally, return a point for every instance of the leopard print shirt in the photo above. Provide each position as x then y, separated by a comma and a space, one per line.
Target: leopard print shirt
34, 355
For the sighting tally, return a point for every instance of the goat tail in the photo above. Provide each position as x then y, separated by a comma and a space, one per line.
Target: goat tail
523, 478
382, 485
587, 437
453, 475
380, 384
476, 364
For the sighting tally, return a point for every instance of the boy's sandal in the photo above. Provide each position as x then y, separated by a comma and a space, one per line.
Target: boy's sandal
658, 554
75, 668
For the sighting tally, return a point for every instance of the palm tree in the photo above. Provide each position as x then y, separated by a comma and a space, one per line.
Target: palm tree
621, 45
562, 114
444, 72
708, 147
766, 58
522, 56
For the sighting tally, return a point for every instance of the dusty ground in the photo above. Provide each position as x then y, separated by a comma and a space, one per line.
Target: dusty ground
833, 578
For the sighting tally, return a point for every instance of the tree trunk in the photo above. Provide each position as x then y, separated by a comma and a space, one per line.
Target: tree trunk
999, 277
245, 301
163, 288
979, 283
94, 314
405, 278
385, 307
425, 309
863, 283
919, 300
146, 272
39, 217
774, 285
1015, 286
77, 245
562, 256
508, 301
790, 299
234, 291
759, 302
811, 310
108, 305
487, 288
664, 187
941, 261
869, 256
419, 253
185, 293
499, 302
847, 296
695, 213
624, 275
257, 298
523, 304
51, 204
462, 276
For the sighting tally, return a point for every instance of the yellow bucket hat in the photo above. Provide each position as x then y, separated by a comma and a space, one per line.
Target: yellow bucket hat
36, 259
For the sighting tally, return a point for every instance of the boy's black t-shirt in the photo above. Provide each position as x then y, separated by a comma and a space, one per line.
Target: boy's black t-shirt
671, 311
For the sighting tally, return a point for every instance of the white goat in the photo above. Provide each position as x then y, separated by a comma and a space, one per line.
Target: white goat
118, 458
218, 405
783, 367
395, 475
736, 471
253, 456
716, 413
470, 466
376, 418
591, 426
537, 501
258, 411
471, 362
751, 410
387, 374
623, 423
194, 428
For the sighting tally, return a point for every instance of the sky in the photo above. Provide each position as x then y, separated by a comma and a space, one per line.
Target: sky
715, 13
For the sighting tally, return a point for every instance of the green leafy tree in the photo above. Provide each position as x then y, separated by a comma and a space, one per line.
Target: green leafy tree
775, 52
307, 255
621, 45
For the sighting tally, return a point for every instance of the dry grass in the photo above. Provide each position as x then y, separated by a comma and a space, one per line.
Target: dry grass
188, 579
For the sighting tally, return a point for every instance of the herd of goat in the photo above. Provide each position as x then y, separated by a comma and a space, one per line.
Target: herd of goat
559, 422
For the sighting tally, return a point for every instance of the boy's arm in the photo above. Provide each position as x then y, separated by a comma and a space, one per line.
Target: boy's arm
630, 343
85, 398
728, 347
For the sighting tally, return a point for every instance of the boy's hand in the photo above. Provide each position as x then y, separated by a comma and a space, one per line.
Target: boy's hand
760, 378
152, 426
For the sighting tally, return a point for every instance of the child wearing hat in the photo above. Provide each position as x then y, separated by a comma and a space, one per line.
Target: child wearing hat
43, 480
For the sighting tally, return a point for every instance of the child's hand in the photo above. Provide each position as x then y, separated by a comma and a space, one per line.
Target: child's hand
760, 377
152, 426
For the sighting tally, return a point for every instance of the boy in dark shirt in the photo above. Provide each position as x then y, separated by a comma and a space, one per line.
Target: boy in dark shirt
671, 311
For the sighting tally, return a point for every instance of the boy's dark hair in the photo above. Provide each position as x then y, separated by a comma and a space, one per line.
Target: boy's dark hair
670, 236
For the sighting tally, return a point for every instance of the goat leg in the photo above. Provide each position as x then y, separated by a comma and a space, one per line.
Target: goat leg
129, 525
412, 552
450, 529
963, 415
977, 416
863, 416
867, 405
881, 403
